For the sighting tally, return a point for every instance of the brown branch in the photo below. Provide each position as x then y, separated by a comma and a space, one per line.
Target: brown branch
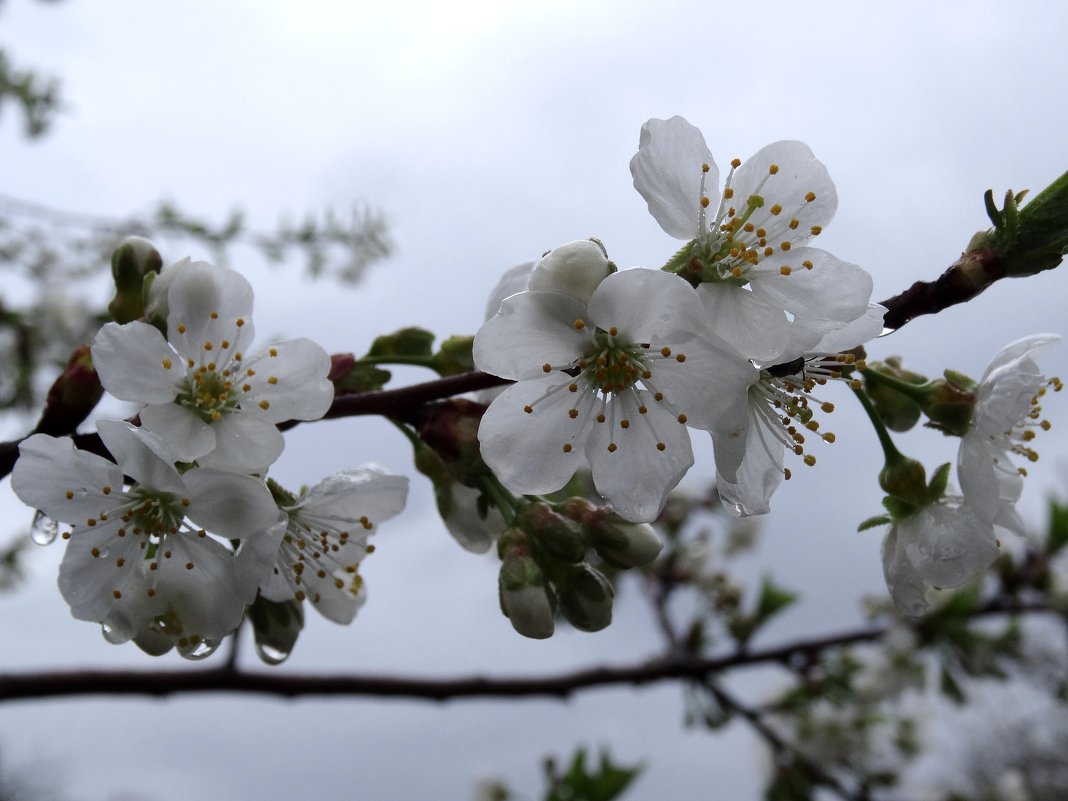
55, 684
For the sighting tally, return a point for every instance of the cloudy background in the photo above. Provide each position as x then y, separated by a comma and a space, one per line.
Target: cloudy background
488, 132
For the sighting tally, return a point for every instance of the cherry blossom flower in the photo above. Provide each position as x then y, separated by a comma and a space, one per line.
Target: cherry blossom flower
326, 539
1004, 421
198, 389
611, 384
781, 414
140, 560
747, 256
941, 545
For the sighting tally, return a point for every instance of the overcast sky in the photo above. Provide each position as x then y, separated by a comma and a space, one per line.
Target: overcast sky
488, 132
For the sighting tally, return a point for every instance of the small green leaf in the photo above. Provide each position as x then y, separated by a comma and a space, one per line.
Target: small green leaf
951, 687
454, 356
936, 488
1057, 536
407, 342
362, 377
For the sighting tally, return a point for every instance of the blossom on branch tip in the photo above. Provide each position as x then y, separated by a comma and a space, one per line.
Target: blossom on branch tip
326, 539
197, 388
1004, 422
746, 250
142, 559
611, 384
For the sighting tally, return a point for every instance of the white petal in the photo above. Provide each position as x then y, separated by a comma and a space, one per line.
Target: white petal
526, 450
832, 290
907, 588
636, 476
291, 378
244, 443
799, 172
206, 596
185, 433
755, 328
474, 533
111, 586
343, 500
141, 455
948, 545
132, 360
647, 306
573, 269
1021, 348
978, 480
229, 504
863, 329
668, 173
530, 330
256, 557
759, 474
50, 467
208, 301
514, 281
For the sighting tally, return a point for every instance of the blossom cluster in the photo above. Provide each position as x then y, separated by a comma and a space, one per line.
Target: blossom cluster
172, 538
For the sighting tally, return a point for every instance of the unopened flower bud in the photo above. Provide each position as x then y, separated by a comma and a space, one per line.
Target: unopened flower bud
156, 291
626, 544
451, 429
133, 259
949, 403
586, 598
905, 479
573, 269
525, 597
552, 532
73, 395
897, 410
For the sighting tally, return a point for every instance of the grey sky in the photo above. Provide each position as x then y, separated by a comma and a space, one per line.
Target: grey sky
489, 132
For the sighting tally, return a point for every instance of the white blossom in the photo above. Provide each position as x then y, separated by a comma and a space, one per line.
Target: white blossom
141, 558
326, 539
1006, 415
199, 389
746, 254
941, 545
610, 384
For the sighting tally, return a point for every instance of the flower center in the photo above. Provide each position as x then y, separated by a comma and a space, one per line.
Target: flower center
154, 513
208, 393
613, 366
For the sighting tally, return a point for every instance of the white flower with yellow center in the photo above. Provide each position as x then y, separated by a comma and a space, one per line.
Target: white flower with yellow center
746, 254
782, 414
199, 389
140, 560
326, 539
1007, 413
611, 384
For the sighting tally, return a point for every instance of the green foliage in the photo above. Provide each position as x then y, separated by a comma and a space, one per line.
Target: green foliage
605, 782
11, 571
37, 97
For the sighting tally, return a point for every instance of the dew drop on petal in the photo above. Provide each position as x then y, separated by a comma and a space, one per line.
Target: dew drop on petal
44, 529
270, 654
202, 649
111, 635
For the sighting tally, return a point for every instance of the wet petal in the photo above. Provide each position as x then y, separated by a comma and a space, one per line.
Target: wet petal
530, 330
135, 363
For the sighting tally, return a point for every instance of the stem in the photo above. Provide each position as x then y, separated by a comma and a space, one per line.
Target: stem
890, 452
916, 392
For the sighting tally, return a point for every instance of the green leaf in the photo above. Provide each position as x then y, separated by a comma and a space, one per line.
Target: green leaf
605, 783
455, 356
1057, 536
936, 488
875, 522
407, 342
951, 687
362, 377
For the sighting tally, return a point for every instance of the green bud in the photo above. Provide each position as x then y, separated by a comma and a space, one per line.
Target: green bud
134, 258
905, 479
552, 532
948, 405
455, 356
586, 598
626, 545
524, 597
451, 429
898, 410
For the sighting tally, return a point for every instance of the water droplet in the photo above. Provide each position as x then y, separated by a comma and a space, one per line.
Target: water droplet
271, 655
112, 635
201, 650
44, 529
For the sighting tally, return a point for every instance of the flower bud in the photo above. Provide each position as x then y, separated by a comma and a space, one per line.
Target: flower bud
898, 411
73, 395
156, 290
905, 479
626, 544
573, 269
949, 403
132, 260
451, 429
552, 532
525, 598
586, 598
